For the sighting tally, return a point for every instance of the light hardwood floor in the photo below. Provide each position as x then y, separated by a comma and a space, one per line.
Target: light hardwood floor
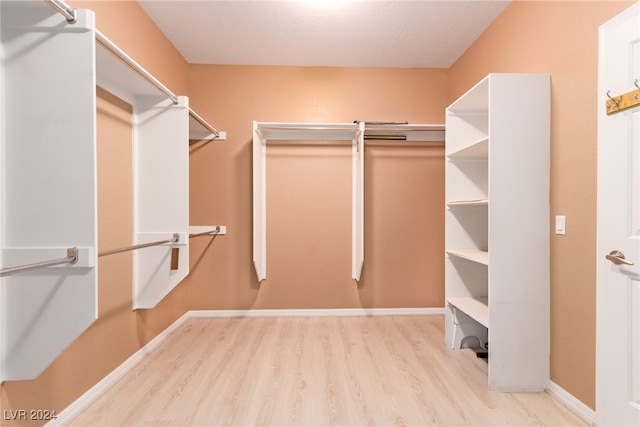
347, 371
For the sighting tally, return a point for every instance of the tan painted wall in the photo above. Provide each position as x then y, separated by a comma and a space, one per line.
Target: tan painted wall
561, 38
309, 190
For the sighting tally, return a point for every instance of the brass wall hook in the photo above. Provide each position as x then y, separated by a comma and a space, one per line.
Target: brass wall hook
612, 98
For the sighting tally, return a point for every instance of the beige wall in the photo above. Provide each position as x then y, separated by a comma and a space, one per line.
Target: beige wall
309, 190
561, 38
404, 189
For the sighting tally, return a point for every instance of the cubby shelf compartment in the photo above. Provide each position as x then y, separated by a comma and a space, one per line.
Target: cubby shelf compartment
477, 149
468, 203
476, 308
480, 257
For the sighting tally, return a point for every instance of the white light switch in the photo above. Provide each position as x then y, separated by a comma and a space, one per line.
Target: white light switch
561, 224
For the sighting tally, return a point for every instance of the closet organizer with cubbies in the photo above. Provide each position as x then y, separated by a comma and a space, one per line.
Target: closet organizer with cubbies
497, 227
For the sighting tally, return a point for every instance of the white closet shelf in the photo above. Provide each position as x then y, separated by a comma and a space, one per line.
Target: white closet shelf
481, 257
477, 308
468, 203
118, 73
307, 131
416, 132
474, 101
478, 149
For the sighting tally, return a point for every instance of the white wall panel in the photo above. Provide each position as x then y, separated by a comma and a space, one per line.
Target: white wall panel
49, 183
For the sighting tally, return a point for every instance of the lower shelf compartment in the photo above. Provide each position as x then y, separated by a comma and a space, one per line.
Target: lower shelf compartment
476, 308
481, 257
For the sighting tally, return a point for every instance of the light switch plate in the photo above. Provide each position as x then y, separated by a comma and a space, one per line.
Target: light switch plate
561, 224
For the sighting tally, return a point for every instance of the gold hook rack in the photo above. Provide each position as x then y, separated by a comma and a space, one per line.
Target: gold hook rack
631, 99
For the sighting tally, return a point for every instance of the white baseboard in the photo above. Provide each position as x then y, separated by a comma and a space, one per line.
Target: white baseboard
331, 312
587, 414
67, 415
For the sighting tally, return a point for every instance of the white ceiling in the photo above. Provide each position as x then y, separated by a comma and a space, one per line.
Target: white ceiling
367, 33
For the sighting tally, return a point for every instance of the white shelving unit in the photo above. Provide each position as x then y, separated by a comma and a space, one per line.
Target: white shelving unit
48, 192
497, 227
163, 123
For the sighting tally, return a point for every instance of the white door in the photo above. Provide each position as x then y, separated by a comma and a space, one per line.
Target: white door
618, 284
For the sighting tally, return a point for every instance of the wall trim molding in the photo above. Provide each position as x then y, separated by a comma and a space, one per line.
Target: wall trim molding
581, 410
318, 312
67, 415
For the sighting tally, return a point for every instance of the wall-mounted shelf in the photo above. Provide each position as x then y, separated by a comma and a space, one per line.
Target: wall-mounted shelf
265, 131
468, 203
305, 131
408, 132
480, 257
121, 75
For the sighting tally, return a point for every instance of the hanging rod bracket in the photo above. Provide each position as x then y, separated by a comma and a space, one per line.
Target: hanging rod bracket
65, 10
73, 254
217, 230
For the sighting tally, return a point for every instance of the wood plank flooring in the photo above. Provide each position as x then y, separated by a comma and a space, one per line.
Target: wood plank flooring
346, 371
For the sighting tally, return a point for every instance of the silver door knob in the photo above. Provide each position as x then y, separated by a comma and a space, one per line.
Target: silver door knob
617, 257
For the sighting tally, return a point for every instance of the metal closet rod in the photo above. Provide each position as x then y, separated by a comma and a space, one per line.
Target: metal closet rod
204, 123
175, 239
71, 258
63, 9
